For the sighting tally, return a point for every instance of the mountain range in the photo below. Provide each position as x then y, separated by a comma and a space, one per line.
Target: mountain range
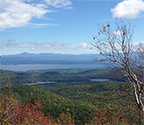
48, 58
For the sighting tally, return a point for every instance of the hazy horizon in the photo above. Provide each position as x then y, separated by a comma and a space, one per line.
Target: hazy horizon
49, 53
62, 26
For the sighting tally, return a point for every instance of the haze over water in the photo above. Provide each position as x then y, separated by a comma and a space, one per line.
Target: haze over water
26, 67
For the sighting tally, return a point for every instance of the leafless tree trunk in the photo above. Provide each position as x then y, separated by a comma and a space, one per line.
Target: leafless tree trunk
116, 45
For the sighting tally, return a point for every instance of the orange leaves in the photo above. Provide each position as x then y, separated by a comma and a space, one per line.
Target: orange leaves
100, 53
104, 29
108, 25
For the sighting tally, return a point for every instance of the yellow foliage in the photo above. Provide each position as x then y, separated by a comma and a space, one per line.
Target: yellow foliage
100, 53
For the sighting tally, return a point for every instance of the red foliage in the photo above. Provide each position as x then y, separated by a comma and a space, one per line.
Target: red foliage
102, 118
121, 117
29, 114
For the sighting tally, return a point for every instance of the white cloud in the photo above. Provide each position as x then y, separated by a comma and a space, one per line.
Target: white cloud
11, 43
48, 45
15, 13
117, 32
137, 43
128, 9
58, 3
83, 45
18, 13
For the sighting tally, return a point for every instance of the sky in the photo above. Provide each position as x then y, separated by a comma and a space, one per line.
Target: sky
62, 26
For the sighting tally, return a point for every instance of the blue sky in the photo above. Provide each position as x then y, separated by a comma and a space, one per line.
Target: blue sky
62, 26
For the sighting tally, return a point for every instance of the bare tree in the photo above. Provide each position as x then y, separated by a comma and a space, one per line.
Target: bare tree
116, 45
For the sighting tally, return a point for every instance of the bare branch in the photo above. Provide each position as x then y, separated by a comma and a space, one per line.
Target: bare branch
118, 49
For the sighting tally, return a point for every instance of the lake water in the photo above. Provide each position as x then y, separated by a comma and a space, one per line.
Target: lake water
99, 80
40, 83
51, 82
26, 67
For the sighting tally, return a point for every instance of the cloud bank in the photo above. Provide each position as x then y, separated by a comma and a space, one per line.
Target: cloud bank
83, 45
18, 13
11, 43
130, 9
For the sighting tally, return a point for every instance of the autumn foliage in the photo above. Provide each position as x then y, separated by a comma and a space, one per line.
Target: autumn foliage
13, 113
30, 114
33, 112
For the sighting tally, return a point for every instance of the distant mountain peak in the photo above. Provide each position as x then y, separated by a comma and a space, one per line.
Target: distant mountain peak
24, 53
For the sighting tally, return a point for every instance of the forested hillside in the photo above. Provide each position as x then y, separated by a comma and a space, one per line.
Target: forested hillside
74, 94
62, 75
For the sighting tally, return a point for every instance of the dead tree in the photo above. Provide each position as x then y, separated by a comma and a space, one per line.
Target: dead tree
116, 45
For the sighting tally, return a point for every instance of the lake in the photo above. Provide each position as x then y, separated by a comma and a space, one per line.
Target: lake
40, 83
100, 80
26, 67
51, 82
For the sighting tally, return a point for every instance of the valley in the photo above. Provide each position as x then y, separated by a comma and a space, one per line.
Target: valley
73, 91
